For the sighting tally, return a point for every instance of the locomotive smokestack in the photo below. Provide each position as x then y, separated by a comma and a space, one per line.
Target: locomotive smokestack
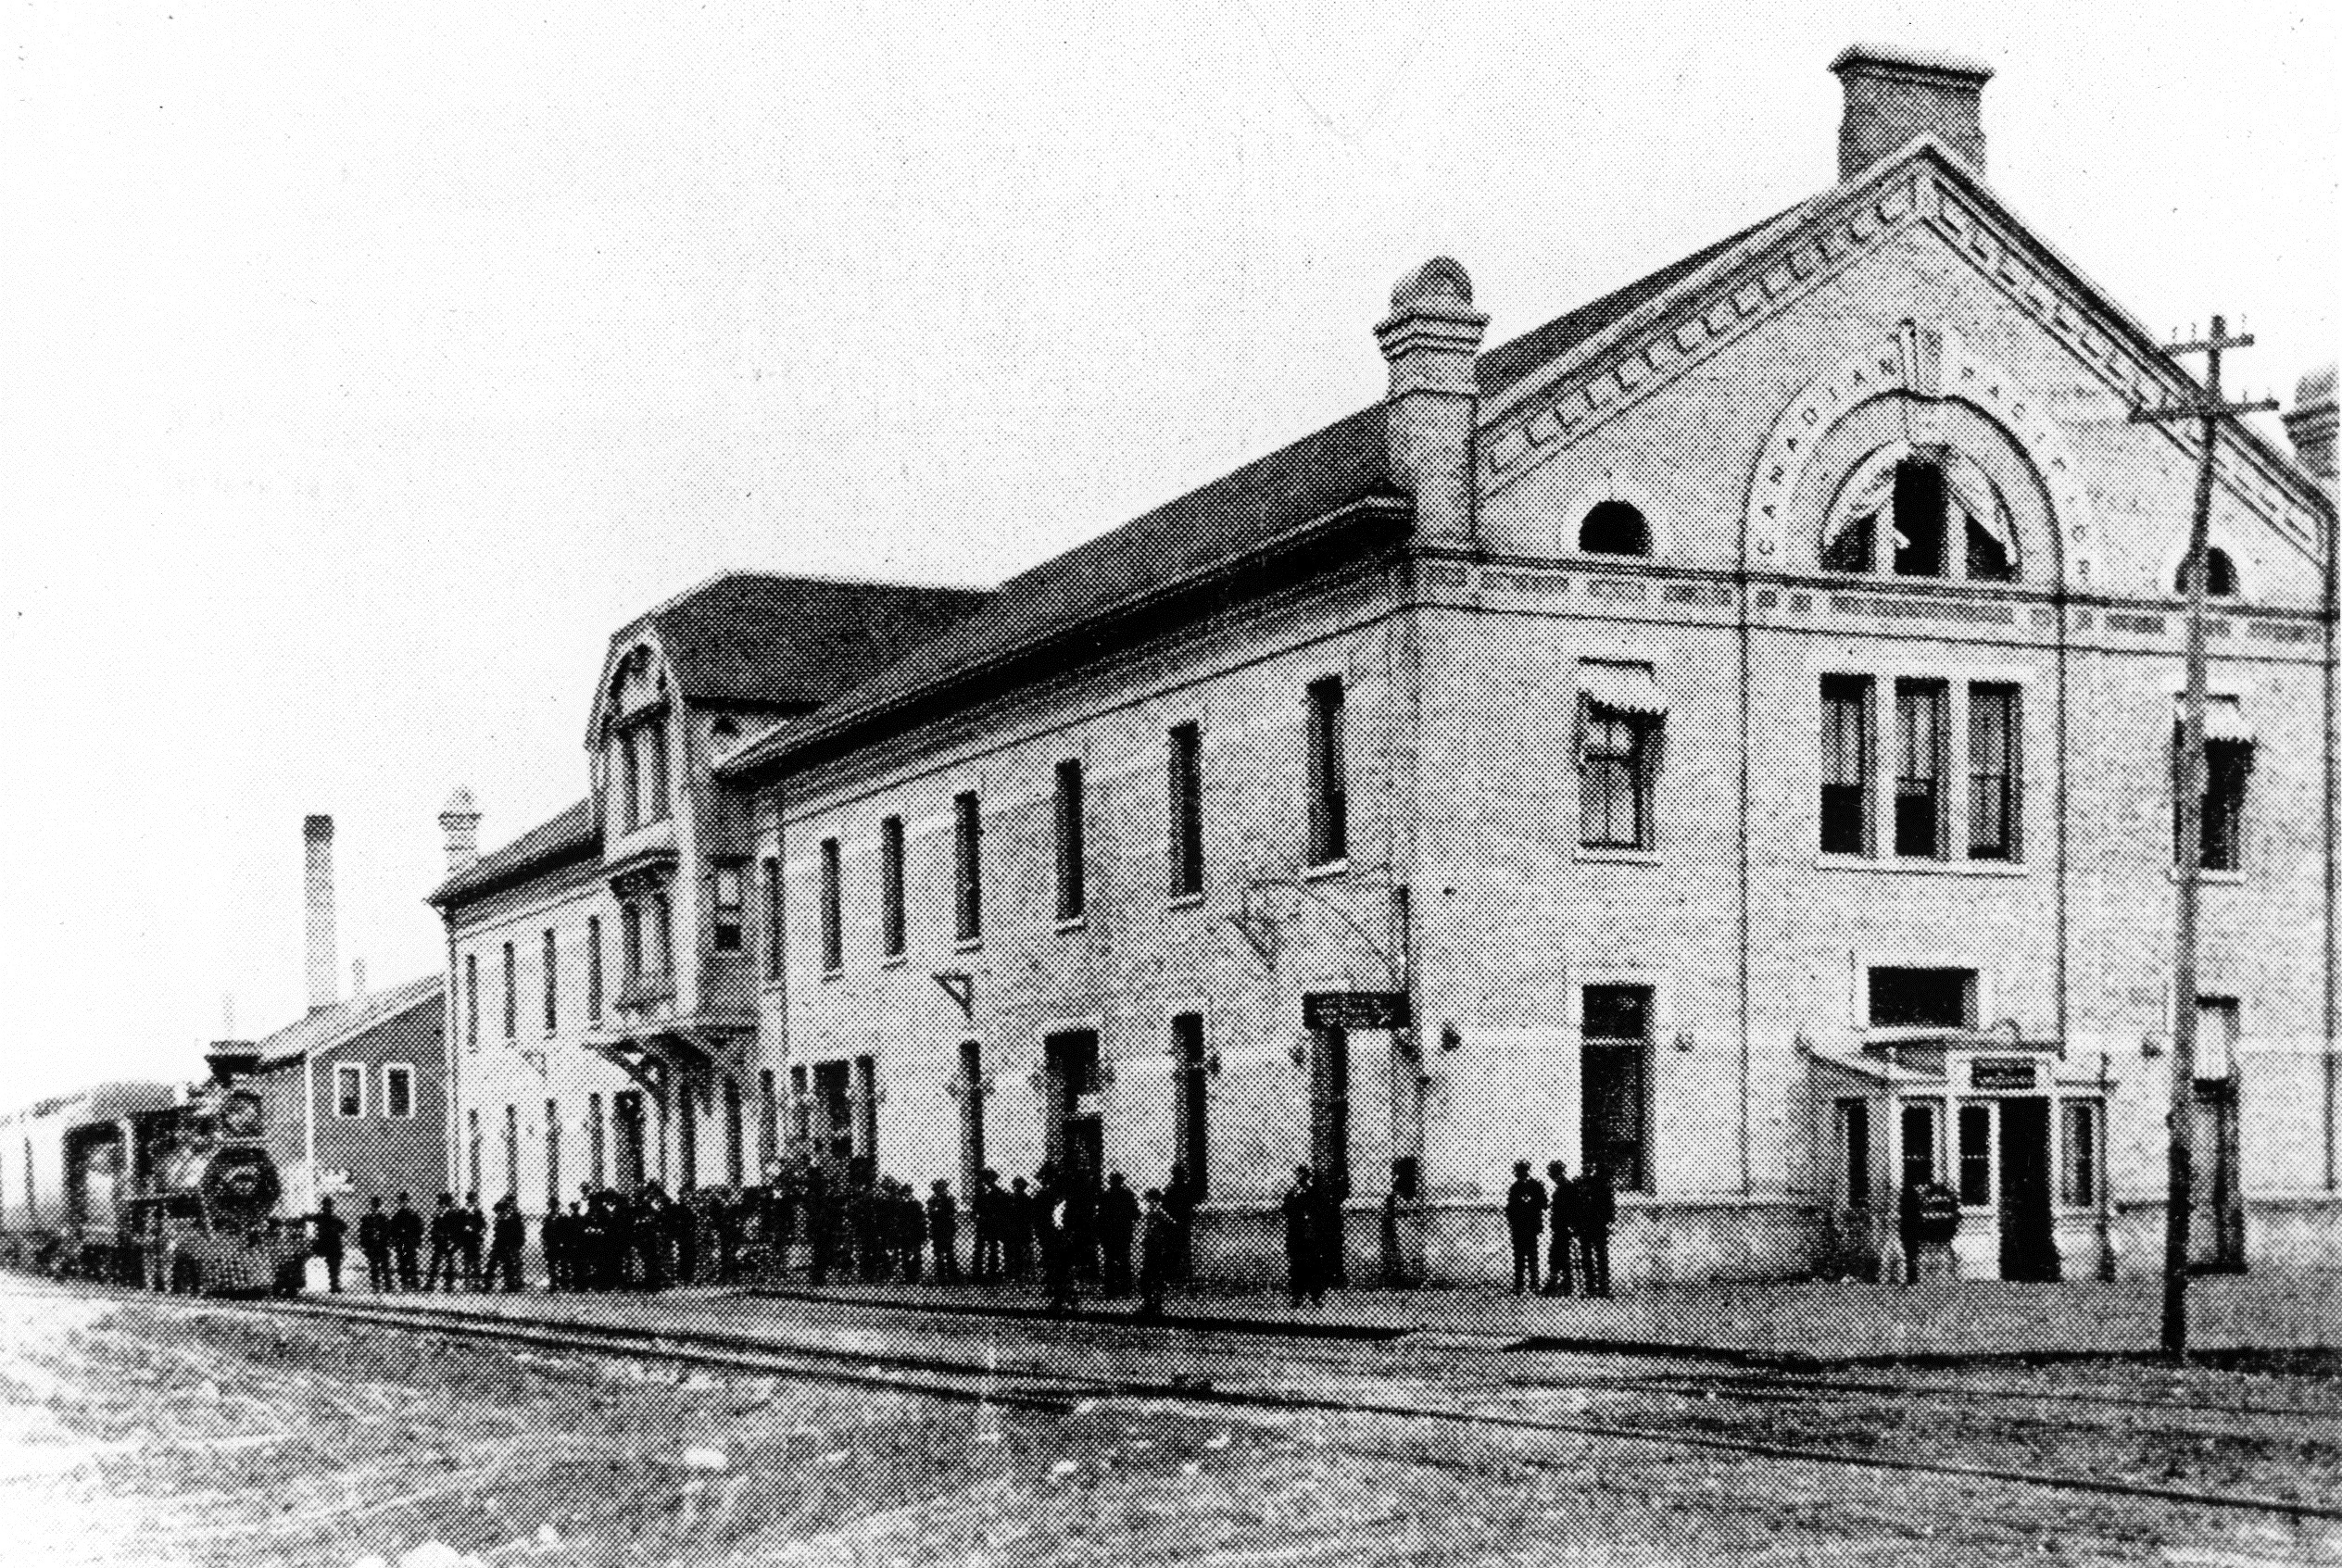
317, 835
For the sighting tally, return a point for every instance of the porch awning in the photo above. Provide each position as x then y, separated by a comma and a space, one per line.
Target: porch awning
1626, 689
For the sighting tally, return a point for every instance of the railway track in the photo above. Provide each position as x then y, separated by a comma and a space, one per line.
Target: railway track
1061, 1392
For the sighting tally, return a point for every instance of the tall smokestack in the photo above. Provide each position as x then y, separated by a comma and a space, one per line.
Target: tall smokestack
317, 886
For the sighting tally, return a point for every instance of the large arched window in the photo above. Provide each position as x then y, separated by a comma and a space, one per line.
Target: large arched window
2219, 574
1615, 528
1921, 513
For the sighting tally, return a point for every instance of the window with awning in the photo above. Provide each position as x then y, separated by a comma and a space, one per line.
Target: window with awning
2229, 742
1621, 710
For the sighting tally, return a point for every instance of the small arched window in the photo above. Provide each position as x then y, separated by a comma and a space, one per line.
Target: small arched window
1923, 515
2219, 574
1615, 528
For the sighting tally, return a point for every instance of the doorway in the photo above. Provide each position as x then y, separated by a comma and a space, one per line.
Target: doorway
626, 1123
1077, 1131
2216, 1232
1330, 1109
2028, 1246
833, 1112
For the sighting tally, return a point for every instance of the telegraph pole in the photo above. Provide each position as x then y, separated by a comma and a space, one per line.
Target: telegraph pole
2209, 410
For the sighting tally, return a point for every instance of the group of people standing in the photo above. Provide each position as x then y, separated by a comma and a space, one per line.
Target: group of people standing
1569, 1221
645, 1240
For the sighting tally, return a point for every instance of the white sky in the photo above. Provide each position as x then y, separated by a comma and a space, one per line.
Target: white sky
366, 365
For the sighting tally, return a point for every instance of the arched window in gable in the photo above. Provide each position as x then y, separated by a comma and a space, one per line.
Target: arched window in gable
2219, 574
1615, 528
1921, 513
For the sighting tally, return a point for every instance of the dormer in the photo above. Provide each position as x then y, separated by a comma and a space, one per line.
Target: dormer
636, 741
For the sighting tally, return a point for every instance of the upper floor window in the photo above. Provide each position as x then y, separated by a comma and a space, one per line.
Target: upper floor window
1186, 794
833, 910
472, 1000
630, 777
511, 992
630, 936
967, 867
1614, 527
775, 956
729, 898
643, 778
2228, 758
594, 968
1923, 514
1073, 871
1620, 714
656, 763
893, 932
2219, 574
1328, 774
552, 986
662, 921
350, 1089
398, 1091
1925, 817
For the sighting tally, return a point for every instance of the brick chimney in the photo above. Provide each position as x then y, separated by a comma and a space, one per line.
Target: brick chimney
317, 888
1432, 340
459, 820
1894, 94
2310, 424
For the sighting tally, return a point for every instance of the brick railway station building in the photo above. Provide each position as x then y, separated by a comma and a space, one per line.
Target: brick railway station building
1725, 734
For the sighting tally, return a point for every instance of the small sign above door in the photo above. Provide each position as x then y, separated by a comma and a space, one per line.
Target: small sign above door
2003, 1072
1354, 1009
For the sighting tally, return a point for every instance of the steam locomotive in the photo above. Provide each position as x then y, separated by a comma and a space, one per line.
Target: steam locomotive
148, 1185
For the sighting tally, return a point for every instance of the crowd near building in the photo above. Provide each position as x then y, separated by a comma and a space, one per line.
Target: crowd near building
1722, 739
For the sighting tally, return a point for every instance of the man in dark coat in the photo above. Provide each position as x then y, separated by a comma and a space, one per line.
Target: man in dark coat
1525, 1205
553, 1233
988, 1262
725, 1213
1017, 1228
374, 1241
821, 1225
508, 1233
1117, 1228
1564, 1220
683, 1233
943, 1233
405, 1243
327, 1233
1158, 1252
589, 1242
1303, 1245
1053, 1219
472, 1237
1178, 1203
1598, 1207
446, 1244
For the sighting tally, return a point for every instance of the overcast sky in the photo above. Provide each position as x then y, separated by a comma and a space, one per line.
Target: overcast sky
367, 366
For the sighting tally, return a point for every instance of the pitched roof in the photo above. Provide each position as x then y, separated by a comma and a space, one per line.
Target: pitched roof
771, 640
330, 1025
567, 834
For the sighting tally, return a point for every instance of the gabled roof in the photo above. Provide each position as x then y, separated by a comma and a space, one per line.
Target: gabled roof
767, 640
570, 834
330, 1026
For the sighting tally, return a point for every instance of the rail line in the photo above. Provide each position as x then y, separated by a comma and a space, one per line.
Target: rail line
1063, 1392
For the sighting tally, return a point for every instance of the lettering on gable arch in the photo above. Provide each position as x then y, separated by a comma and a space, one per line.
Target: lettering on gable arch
1934, 367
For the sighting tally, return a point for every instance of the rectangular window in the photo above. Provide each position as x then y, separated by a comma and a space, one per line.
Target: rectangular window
512, 1152
967, 867
1919, 1144
1192, 1145
732, 1131
511, 993
350, 1089
1922, 998
1328, 774
662, 921
398, 1091
775, 956
2227, 769
833, 908
552, 1155
472, 1148
1854, 1152
2219, 1028
768, 1121
728, 895
1614, 781
894, 932
630, 929
1921, 715
1187, 811
472, 1000
1072, 881
630, 777
2084, 1130
1615, 1081
1993, 773
657, 764
552, 986
594, 968
1975, 1155
866, 1108
597, 1170
1846, 748
1329, 1107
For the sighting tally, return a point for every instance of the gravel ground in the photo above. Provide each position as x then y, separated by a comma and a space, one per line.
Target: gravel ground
134, 1433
